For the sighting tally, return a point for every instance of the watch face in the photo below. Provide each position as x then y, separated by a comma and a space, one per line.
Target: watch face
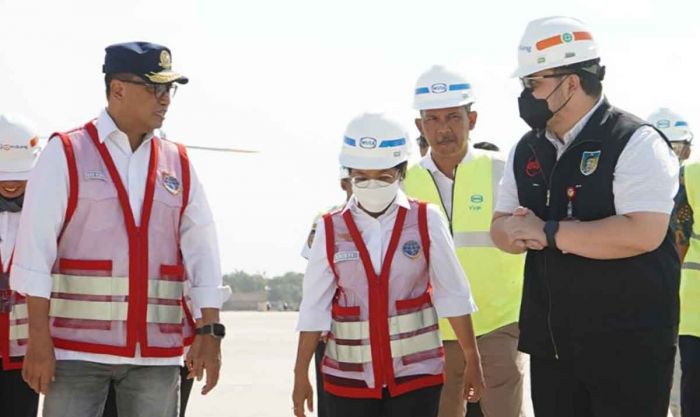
218, 330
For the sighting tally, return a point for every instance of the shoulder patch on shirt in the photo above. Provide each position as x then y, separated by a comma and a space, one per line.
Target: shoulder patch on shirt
346, 256
95, 175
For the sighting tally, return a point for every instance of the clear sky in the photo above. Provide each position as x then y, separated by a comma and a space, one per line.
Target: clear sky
284, 77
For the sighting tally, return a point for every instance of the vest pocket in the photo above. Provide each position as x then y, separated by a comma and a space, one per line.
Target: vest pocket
166, 300
85, 296
348, 346
414, 331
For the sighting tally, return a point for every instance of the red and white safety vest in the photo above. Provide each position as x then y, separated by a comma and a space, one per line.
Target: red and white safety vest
384, 330
14, 329
117, 284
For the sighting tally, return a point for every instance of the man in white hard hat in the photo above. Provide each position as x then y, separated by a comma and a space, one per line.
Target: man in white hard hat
676, 129
116, 233
687, 375
18, 153
588, 193
462, 181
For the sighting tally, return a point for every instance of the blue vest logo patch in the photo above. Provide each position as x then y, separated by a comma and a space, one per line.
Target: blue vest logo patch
170, 183
411, 249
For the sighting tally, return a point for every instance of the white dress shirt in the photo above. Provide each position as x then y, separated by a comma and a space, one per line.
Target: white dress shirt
42, 218
646, 174
8, 233
451, 295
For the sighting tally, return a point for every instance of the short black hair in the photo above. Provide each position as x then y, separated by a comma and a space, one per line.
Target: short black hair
116, 76
591, 74
422, 142
487, 146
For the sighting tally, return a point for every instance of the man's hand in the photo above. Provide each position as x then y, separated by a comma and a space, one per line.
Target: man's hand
473, 379
525, 230
39, 362
204, 355
302, 393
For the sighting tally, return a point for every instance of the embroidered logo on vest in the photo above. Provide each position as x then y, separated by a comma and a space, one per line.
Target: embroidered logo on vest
589, 162
533, 167
411, 249
170, 183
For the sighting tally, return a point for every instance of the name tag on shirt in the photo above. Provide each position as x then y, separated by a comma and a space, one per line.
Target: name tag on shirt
95, 175
346, 256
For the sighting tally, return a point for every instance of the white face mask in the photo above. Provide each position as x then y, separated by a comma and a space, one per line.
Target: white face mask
376, 196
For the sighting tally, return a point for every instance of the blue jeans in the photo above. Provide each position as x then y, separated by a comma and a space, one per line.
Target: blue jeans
80, 389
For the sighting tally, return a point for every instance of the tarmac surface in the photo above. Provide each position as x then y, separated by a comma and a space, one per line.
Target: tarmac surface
258, 359
256, 376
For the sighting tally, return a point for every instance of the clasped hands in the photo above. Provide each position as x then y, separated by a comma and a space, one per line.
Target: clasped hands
525, 230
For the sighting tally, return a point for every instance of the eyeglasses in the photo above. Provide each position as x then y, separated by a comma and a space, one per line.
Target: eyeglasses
531, 81
384, 180
158, 90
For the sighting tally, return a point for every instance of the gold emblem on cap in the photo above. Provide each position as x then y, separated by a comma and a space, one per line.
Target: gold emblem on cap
165, 61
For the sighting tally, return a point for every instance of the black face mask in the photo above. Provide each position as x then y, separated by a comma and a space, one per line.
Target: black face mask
535, 111
13, 205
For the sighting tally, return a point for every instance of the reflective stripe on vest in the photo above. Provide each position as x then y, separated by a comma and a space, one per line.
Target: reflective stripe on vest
19, 314
495, 277
473, 240
77, 287
690, 274
402, 331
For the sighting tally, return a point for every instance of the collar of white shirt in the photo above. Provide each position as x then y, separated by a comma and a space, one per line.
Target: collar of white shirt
574, 131
428, 163
400, 201
107, 129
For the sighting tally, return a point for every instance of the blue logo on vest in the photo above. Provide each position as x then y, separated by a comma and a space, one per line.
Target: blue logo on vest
411, 249
171, 183
589, 162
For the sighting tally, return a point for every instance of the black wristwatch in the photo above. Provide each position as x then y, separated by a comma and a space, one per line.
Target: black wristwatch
216, 330
551, 227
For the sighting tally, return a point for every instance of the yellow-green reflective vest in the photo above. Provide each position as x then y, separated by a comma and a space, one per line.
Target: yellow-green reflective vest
690, 274
495, 277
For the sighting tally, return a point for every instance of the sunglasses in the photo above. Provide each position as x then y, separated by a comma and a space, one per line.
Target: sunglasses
531, 80
158, 90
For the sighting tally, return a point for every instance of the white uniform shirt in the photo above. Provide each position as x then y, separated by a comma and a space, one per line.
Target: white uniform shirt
445, 185
451, 293
646, 174
8, 233
42, 218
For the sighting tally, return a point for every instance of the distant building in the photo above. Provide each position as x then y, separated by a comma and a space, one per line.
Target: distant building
247, 301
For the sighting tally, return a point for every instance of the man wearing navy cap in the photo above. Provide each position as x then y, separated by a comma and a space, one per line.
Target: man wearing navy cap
118, 238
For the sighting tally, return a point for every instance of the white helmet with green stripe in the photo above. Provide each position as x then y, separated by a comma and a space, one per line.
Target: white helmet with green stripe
373, 141
441, 88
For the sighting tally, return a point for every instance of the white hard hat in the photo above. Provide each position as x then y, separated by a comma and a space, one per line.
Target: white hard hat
343, 173
18, 148
553, 42
373, 141
673, 125
440, 88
